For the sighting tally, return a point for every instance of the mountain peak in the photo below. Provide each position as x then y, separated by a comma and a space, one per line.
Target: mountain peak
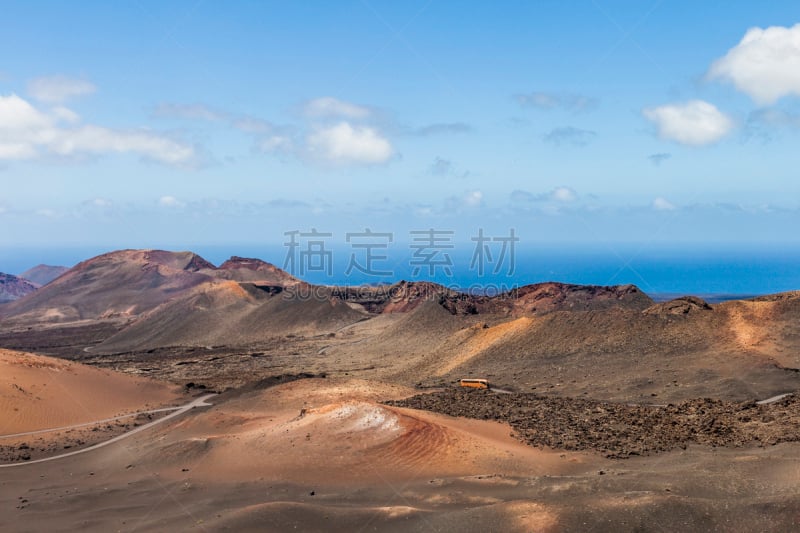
43, 274
252, 269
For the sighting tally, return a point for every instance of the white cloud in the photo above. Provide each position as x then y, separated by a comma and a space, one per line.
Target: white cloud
693, 123
473, 199
332, 131
11, 150
662, 204
27, 132
563, 194
18, 114
468, 200
58, 89
99, 140
248, 124
275, 143
765, 64
65, 114
329, 107
169, 201
347, 144
102, 202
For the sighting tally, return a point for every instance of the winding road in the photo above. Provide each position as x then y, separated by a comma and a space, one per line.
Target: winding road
774, 399
93, 423
177, 411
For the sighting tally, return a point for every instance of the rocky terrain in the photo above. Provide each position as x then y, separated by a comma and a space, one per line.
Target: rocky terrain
537, 299
13, 288
620, 430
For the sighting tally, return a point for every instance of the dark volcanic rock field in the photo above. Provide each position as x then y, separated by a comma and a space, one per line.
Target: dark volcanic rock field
619, 430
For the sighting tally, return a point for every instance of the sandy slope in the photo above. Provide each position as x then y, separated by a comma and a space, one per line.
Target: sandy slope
315, 454
335, 432
254, 463
38, 392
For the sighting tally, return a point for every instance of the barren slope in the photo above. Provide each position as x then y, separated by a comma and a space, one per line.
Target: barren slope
234, 314
672, 351
38, 392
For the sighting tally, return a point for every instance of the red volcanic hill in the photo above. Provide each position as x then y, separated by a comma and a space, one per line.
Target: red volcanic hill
246, 269
13, 287
115, 285
537, 299
124, 284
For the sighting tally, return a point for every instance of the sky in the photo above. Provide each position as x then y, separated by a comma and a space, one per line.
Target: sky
196, 123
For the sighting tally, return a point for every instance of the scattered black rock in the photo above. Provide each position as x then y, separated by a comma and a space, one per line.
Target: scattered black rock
621, 430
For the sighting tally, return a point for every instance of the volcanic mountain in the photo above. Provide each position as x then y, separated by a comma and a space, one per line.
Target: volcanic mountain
239, 313
117, 285
43, 274
13, 287
121, 285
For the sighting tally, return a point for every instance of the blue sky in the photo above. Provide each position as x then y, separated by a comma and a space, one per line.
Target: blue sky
145, 124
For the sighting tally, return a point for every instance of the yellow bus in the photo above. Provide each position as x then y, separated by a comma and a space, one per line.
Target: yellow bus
474, 383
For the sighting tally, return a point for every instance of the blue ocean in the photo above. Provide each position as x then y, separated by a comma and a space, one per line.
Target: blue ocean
713, 271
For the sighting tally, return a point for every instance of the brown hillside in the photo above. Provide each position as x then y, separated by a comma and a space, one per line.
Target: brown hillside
118, 285
230, 313
38, 392
676, 350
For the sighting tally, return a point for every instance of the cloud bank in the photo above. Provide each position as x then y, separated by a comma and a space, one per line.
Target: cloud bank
27, 132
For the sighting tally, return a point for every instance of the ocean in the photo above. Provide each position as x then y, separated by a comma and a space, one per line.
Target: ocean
713, 271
